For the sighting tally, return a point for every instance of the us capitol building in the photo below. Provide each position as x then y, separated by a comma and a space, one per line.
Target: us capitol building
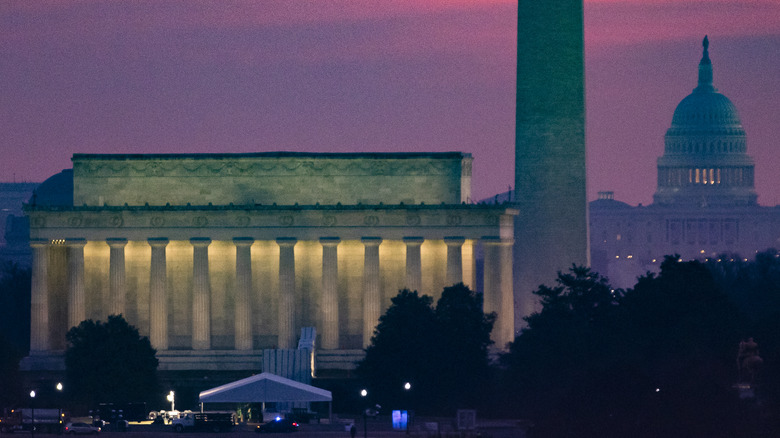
705, 204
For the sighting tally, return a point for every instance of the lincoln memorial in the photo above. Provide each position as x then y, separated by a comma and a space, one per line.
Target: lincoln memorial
217, 257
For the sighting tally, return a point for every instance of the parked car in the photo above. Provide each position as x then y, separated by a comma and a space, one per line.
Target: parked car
81, 429
278, 425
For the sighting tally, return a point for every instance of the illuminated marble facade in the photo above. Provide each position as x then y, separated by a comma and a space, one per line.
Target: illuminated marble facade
218, 256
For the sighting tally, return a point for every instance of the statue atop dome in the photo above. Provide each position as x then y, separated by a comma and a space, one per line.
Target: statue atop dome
705, 69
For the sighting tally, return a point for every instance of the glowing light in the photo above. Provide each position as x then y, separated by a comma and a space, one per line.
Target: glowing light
363, 393
32, 394
407, 386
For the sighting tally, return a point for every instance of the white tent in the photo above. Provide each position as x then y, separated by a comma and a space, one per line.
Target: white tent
262, 388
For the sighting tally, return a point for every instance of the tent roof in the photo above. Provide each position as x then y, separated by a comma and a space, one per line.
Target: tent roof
265, 387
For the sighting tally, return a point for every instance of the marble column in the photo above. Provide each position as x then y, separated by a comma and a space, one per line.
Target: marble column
158, 298
371, 289
286, 292
39, 300
498, 295
201, 294
330, 297
454, 259
77, 302
116, 276
413, 263
243, 309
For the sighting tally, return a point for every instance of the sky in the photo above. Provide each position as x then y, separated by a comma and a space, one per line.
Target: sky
223, 76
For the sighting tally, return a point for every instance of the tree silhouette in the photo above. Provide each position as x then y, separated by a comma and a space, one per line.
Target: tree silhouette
110, 362
441, 352
655, 360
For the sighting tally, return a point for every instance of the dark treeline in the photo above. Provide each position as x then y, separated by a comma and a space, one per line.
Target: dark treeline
660, 359
657, 360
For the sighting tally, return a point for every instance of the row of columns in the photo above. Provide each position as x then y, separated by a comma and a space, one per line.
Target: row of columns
498, 283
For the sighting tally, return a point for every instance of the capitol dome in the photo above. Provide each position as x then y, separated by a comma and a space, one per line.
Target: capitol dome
706, 110
705, 160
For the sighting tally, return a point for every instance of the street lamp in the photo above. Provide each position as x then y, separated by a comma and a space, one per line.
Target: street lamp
32, 413
171, 399
407, 388
59, 407
364, 393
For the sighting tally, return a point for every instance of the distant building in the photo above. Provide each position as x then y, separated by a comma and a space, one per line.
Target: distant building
705, 204
14, 226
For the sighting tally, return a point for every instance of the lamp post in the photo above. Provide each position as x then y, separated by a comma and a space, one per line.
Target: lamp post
407, 388
172, 399
59, 407
32, 413
364, 393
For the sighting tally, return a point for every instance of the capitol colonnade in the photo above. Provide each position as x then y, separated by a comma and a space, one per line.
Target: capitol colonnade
213, 290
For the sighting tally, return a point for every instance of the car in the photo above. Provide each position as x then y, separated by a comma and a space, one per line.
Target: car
81, 429
278, 425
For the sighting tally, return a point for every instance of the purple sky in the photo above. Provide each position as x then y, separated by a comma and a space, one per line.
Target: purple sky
134, 76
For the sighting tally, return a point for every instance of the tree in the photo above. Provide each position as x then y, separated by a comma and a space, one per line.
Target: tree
110, 362
441, 352
15, 305
655, 360
403, 349
14, 329
464, 340
10, 378
564, 368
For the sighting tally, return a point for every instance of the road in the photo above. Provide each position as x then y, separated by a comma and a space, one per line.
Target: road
306, 431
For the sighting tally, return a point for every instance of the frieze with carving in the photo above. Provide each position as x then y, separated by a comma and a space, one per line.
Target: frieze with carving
200, 221
453, 220
266, 167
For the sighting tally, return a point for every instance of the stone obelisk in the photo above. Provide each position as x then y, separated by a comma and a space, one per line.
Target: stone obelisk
551, 231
